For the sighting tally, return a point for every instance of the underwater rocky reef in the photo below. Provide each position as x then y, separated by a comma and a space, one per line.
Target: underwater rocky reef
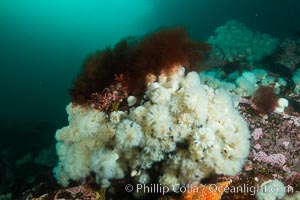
167, 117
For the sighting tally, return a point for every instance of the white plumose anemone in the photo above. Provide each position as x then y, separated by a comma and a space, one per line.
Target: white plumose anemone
128, 134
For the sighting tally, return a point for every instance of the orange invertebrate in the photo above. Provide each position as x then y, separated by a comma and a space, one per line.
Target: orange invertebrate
206, 192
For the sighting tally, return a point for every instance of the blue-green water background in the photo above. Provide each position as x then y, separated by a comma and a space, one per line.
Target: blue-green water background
44, 42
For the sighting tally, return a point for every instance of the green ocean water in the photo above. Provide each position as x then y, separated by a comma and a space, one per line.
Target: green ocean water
44, 42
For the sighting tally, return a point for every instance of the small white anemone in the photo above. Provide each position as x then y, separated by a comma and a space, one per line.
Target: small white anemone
105, 165
131, 100
138, 114
271, 190
159, 120
191, 80
159, 95
116, 116
282, 104
128, 134
142, 177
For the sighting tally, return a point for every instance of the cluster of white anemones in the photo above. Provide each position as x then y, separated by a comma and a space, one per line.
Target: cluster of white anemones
191, 128
234, 41
244, 84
